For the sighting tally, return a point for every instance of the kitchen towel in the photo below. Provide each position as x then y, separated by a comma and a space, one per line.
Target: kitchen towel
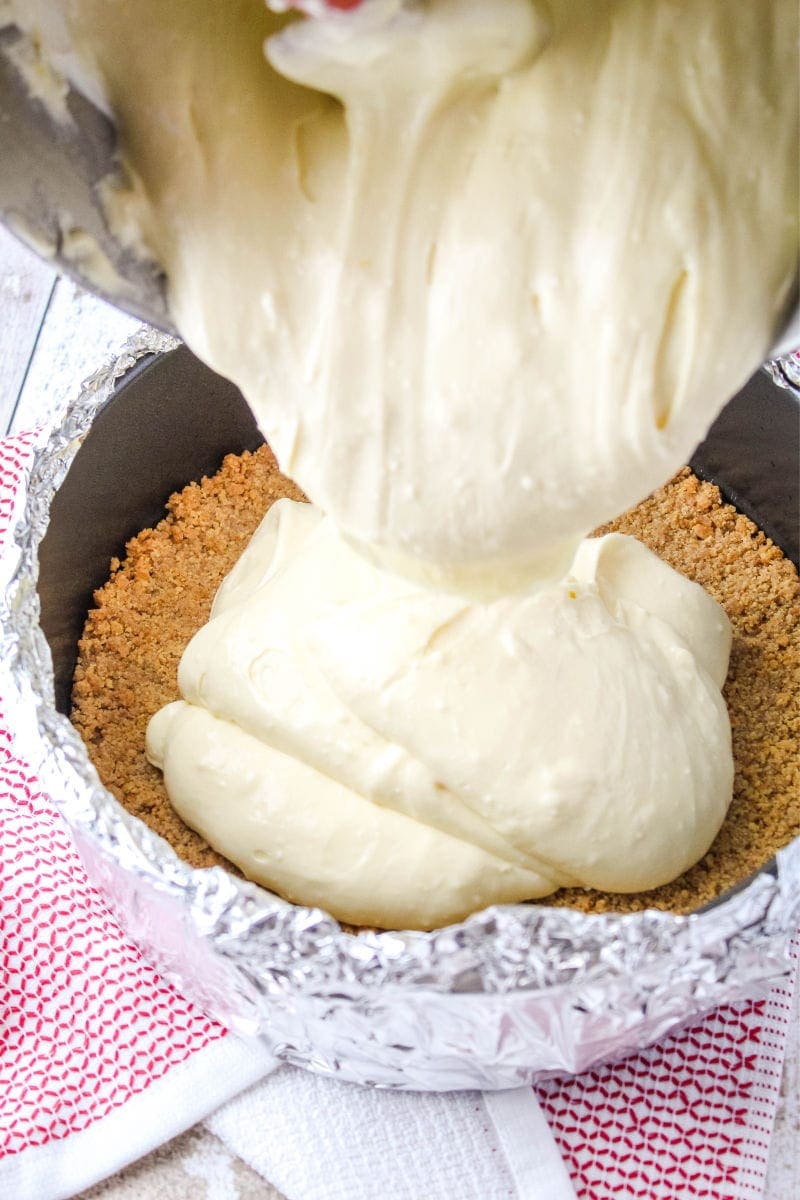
100, 1061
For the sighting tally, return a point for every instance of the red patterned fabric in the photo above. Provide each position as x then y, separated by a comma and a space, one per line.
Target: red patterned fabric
87, 1024
690, 1117
15, 453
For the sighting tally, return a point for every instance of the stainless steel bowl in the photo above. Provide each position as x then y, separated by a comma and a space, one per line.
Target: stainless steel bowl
50, 190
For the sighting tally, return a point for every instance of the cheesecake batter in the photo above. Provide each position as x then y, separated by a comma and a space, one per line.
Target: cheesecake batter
404, 756
485, 270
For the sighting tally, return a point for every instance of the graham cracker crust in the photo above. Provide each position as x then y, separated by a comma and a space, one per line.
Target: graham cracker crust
161, 593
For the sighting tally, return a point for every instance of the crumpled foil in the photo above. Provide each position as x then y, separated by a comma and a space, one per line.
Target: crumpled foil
785, 371
512, 994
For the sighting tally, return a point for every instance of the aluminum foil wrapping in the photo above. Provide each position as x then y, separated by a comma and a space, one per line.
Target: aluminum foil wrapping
785, 371
509, 995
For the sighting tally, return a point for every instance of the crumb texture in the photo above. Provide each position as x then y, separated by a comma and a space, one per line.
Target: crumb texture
152, 604
162, 591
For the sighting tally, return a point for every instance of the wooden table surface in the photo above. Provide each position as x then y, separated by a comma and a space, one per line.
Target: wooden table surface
52, 336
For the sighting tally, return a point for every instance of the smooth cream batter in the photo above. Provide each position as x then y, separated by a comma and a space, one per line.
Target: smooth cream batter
485, 270
404, 756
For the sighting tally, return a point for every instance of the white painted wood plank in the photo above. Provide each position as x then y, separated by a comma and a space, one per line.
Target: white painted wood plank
26, 284
79, 334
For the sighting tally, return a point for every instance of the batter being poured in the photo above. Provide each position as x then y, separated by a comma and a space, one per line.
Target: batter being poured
485, 272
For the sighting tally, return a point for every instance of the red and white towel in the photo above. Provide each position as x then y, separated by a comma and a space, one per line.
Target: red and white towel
100, 1061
